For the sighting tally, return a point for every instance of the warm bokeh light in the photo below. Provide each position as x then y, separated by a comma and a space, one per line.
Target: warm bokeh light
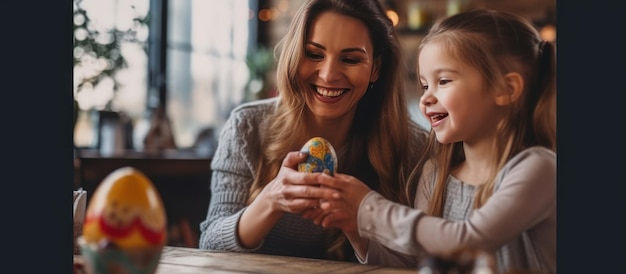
548, 33
265, 15
393, 15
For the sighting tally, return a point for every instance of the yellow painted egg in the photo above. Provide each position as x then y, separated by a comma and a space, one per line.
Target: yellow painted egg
126, 210
321, 156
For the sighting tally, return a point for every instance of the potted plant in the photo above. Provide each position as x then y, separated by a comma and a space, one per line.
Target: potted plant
97, 58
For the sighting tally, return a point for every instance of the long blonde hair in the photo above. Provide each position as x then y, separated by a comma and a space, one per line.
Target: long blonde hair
497, 43
379, 133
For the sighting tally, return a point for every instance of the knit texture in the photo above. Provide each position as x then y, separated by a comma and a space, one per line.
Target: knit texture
233, 168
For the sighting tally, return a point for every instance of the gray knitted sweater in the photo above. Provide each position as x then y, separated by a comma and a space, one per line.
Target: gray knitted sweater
233, 168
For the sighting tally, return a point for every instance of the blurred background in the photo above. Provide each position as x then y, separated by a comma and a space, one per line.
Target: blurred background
154, 81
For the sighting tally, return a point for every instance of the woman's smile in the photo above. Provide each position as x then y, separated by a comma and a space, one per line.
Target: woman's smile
338, 65
329, 95
330, 92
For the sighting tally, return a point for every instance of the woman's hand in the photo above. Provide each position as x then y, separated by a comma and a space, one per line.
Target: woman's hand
293, 191
341, 210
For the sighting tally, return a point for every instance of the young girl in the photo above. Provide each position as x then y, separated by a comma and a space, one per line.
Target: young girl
490, 181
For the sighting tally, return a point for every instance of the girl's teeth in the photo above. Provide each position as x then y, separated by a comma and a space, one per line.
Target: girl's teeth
437, 117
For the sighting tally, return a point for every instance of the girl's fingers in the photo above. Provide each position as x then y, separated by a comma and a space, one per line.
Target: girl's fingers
330, 181
332, 205
340, 219
321, 217
311, 213
339, 181
327, 221
306, 214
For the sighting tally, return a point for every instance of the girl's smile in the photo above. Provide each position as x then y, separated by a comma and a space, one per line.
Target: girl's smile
455, 100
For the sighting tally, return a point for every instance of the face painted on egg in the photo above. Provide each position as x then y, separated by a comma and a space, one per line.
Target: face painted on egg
321, 157
127, 211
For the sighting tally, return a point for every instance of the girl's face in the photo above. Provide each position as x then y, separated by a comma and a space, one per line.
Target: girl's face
338, 65
455, 100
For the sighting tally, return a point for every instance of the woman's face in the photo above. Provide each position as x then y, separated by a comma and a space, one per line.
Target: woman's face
338, 65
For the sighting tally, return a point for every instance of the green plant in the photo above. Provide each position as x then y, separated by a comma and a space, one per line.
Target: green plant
259, 62
94, 45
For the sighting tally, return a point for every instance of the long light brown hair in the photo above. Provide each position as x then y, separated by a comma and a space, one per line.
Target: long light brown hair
496, 43
379, 134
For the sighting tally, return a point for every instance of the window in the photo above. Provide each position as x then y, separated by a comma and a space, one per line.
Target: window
190, 56
133, 55
110, 61
207, 42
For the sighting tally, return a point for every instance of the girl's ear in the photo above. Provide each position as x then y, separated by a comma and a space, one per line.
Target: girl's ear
375, 69
514, 85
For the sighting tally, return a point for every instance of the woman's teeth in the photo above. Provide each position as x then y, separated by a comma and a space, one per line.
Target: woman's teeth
330, 93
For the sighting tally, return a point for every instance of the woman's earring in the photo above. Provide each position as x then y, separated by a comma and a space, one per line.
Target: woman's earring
371, 85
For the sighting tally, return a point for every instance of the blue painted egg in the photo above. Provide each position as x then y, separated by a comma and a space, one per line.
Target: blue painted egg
321, 156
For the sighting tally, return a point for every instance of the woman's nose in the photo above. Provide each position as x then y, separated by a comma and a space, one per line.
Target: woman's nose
329, 71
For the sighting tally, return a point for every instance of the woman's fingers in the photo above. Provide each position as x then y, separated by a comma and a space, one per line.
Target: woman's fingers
300, 205
293, 159
298, 192
298, 198
308, 192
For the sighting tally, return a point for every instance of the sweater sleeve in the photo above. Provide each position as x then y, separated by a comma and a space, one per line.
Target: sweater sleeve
524, 195
232, 174
378, 253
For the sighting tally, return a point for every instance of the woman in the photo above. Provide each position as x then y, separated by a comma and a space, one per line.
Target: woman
339, 77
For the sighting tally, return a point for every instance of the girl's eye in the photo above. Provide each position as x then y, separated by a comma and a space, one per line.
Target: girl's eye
444, 81
424, 87
314, 56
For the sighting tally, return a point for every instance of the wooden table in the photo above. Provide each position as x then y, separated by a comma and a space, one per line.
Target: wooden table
179, 260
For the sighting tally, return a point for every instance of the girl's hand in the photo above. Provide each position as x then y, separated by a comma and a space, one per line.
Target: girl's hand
293, 191
341, 211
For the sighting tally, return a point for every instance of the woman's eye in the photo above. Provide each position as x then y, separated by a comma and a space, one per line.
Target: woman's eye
351, 61
314, 56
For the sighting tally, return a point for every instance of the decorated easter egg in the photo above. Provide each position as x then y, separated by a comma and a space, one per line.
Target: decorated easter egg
321, 156
126, 211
